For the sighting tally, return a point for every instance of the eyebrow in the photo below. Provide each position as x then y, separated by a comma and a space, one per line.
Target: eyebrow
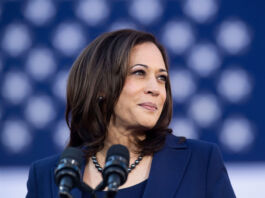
146, 66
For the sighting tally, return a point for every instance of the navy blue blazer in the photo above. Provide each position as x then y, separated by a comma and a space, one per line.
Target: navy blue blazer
190, 169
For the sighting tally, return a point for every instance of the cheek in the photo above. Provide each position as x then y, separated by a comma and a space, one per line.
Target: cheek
127, 96
130, 89
163, 96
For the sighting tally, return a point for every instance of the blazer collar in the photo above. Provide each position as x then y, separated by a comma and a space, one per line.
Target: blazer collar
167, 169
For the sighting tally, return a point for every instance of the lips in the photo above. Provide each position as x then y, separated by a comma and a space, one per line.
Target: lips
149, 106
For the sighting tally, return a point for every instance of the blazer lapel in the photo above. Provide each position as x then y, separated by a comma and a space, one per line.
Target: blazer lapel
167, 169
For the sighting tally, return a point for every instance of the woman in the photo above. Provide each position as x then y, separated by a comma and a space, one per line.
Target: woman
118, 92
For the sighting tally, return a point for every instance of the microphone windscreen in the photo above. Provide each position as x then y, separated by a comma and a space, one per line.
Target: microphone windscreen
73, 153
119, 150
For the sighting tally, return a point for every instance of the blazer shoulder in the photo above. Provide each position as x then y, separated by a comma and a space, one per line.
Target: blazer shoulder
40, 176
183, 142
200, 144
199, 148
48, 162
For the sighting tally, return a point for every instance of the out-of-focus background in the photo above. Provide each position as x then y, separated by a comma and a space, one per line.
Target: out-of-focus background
216, 50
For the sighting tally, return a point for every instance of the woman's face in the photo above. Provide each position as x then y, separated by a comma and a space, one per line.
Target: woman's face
144, 93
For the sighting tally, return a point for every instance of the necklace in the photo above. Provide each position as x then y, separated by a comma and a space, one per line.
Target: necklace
133, 165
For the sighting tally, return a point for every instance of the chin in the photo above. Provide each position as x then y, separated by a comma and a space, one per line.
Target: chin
147, 121
148, 124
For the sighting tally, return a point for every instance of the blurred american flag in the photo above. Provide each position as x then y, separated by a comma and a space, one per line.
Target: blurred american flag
216, 51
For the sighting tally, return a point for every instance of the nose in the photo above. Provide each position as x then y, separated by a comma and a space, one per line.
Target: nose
152, 87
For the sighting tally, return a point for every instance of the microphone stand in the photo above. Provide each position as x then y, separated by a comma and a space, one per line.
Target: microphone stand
82, 186
109, 194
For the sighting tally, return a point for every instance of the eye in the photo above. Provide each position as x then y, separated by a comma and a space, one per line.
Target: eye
139, 72
163, 78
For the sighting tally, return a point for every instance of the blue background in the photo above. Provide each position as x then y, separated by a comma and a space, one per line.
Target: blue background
249, 59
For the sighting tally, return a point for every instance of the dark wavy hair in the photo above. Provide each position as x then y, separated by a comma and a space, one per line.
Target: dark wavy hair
101, 70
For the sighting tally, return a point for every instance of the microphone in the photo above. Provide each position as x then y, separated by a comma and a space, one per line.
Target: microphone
115, 171
68, 171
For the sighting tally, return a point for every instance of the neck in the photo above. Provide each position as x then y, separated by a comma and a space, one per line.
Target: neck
120, 135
